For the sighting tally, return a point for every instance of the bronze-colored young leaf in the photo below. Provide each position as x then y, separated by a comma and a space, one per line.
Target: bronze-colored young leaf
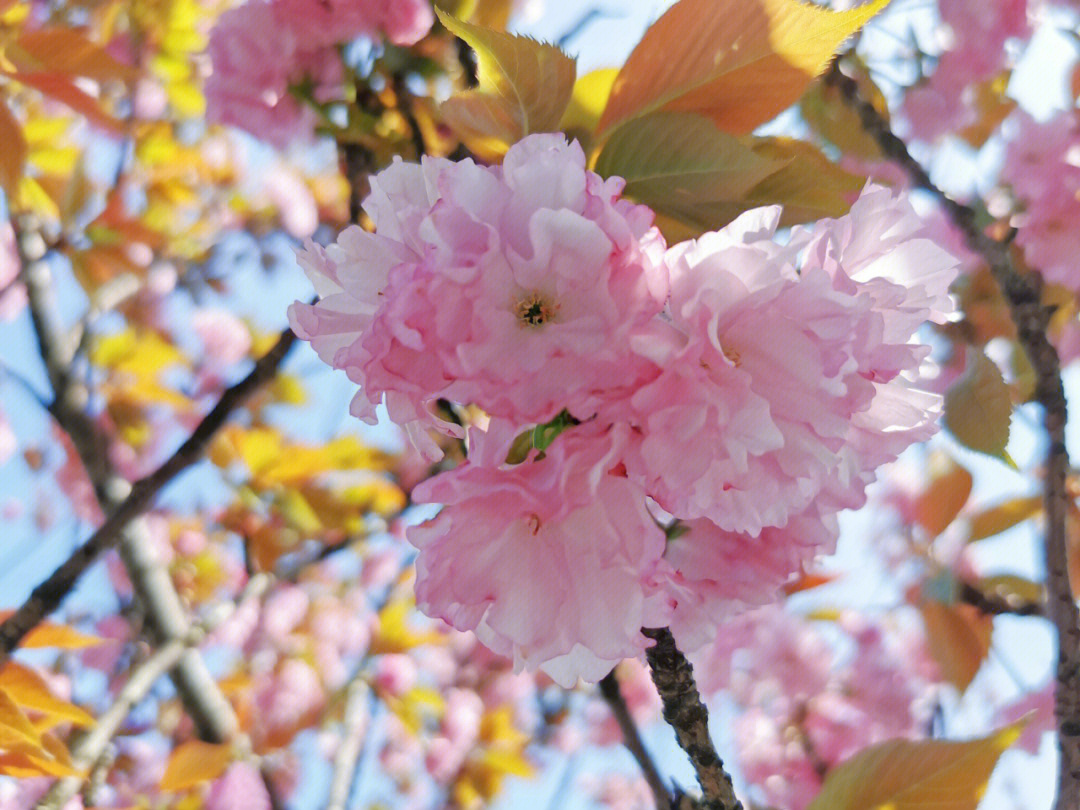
13, 155
915, 775
944, 496
681, 166
959, 639
738, 62
524, 87
65, 51
978, 407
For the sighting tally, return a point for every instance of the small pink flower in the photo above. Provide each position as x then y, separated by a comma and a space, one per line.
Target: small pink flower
239, 788
549, 561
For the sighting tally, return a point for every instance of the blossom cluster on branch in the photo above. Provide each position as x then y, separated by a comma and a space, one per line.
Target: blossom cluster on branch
737, 390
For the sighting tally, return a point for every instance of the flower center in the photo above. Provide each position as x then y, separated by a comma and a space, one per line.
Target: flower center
535, 310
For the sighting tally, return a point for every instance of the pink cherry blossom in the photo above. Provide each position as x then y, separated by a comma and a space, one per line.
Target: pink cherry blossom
319, 23
12, 292
256, 59
549, 561
717, 574
1042, 165
748, 425
517, 288
239, 788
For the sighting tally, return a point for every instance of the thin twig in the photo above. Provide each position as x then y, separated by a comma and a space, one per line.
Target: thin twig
685, 712
1031, 317
88, 749
612, 694
47, 596
354, 729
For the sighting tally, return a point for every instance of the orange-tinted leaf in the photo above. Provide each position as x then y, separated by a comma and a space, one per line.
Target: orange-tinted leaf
915, 775
66, 51
1002, 516
959, 639
13, 155
23, 765
61, 636
29, 690
63, 89
738, 62
195, 762
945, 495
808, 580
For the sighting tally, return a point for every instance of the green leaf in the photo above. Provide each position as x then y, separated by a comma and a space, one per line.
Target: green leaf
738, 62
682, 166
544, 435
809, 186
909, 775
524, 87
978, 407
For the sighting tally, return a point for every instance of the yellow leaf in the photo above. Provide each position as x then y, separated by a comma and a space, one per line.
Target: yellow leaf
195, 762
15, 726
1002, 516
587, 101
31, 196
13, 155
1012, 589
909, 775
29, 691
959, 639
524, 87
738, 62
60, 636
978, 407
945, 494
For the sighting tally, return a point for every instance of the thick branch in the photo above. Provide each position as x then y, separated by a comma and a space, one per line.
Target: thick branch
609, 689
1023, 294
47, 596
685, 712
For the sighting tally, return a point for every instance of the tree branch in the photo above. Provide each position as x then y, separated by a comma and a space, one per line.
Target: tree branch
1024, 296
47, 596
355, 723
684, 712
612, 694
91, 746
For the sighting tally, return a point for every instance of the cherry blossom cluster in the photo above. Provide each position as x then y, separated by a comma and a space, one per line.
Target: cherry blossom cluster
263, 49
698, 415
973, 40
1042, 165
804, 708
